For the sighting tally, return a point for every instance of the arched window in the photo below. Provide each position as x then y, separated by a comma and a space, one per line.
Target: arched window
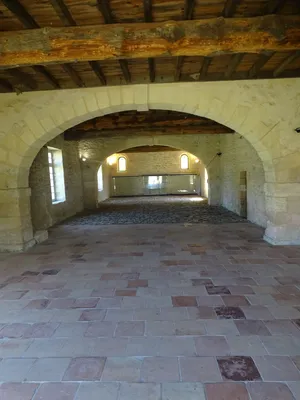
100, 179
184, 162
121, 164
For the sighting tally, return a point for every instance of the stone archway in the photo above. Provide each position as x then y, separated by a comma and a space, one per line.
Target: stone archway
265, 113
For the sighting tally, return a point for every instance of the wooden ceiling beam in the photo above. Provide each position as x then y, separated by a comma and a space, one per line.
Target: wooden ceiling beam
98, 71
278, 71
148, 18
6, 85
263, 58
151, 63
63, 12
73, 75
23, 78
21, 13
204, 68
47, 75
274, 6
144, 40
148, 149
235, 60
230, 7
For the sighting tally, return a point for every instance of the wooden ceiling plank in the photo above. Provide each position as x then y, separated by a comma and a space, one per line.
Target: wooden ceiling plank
23, 78
274, 6
21, 13
63, 12
151, 63
125, 70
47, 75
285, 63
98, 71
146, 40
189, 9
263, 58
148, 18
234, 62
230, 7
179, 65
73, 75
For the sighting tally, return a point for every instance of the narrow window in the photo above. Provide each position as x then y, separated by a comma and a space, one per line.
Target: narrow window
100, 179
121, 164
184, 162
56, 174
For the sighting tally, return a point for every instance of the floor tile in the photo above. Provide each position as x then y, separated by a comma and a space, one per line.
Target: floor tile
100, 329
229, 313
15, 369
269, 390
211, 346
93, 315
184, 301
277, 368
246, 345
98, 391
251, 327
226, 391
57, 391
199, 369
85, 369
160, 369
122, 369
48, 370
130, 328
137, 283
235, 301
182, 391
238, 369
217, 289
142, 391
18, 391
194, 328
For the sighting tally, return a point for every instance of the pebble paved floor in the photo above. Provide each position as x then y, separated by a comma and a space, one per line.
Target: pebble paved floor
151, 312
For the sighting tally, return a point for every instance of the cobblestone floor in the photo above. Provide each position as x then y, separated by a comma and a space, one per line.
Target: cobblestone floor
151, 312
155, 210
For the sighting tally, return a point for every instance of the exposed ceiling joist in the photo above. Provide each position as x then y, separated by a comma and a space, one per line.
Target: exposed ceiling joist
204, 67
63, 12
151, 63
98, 71
261, 61
148, 18
178, 67
148, 149
21, 13
6, 85
73, 75
235, 60
285, 63
125, 41
189, 9
274, 6
230, 7
23, 78
47, 75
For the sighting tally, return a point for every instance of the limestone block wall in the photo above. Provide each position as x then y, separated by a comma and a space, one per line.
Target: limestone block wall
237, 156
43, 213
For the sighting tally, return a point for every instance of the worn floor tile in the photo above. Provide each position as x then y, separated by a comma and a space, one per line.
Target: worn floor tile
211, 346
238, 368
183, 390
229, 313
57, 391
251, 327
98, 391
48, 370
130, 328
100, 329
246, 345
184, 301
18, 391
122, 369
277, 368
143, 391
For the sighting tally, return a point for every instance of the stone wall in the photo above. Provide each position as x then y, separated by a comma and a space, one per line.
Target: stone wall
237, 156
43, 213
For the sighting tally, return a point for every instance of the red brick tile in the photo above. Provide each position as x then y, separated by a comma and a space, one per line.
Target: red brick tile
56, 391
137, 283
85, 369
18, 391
184, 301
226, 391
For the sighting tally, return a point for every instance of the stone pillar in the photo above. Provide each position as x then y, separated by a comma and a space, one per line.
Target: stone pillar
283, 213
15, 220
214, 183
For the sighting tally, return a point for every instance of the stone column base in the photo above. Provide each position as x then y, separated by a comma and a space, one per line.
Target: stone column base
282, 235
39, 237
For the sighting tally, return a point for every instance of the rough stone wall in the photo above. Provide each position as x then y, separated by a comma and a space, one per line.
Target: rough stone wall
45, 214
167, 162
238, 155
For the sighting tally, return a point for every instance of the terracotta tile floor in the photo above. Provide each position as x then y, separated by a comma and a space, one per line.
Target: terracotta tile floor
151, 312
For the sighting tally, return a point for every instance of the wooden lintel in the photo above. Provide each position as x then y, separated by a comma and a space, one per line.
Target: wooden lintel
63, 12
73, 75
205, 37
285, 63
150, 131
230, 7
261, 61
236, 59
21, 13
46, 74
188, 9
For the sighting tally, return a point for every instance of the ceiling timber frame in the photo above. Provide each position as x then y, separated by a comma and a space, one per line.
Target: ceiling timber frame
61, 44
